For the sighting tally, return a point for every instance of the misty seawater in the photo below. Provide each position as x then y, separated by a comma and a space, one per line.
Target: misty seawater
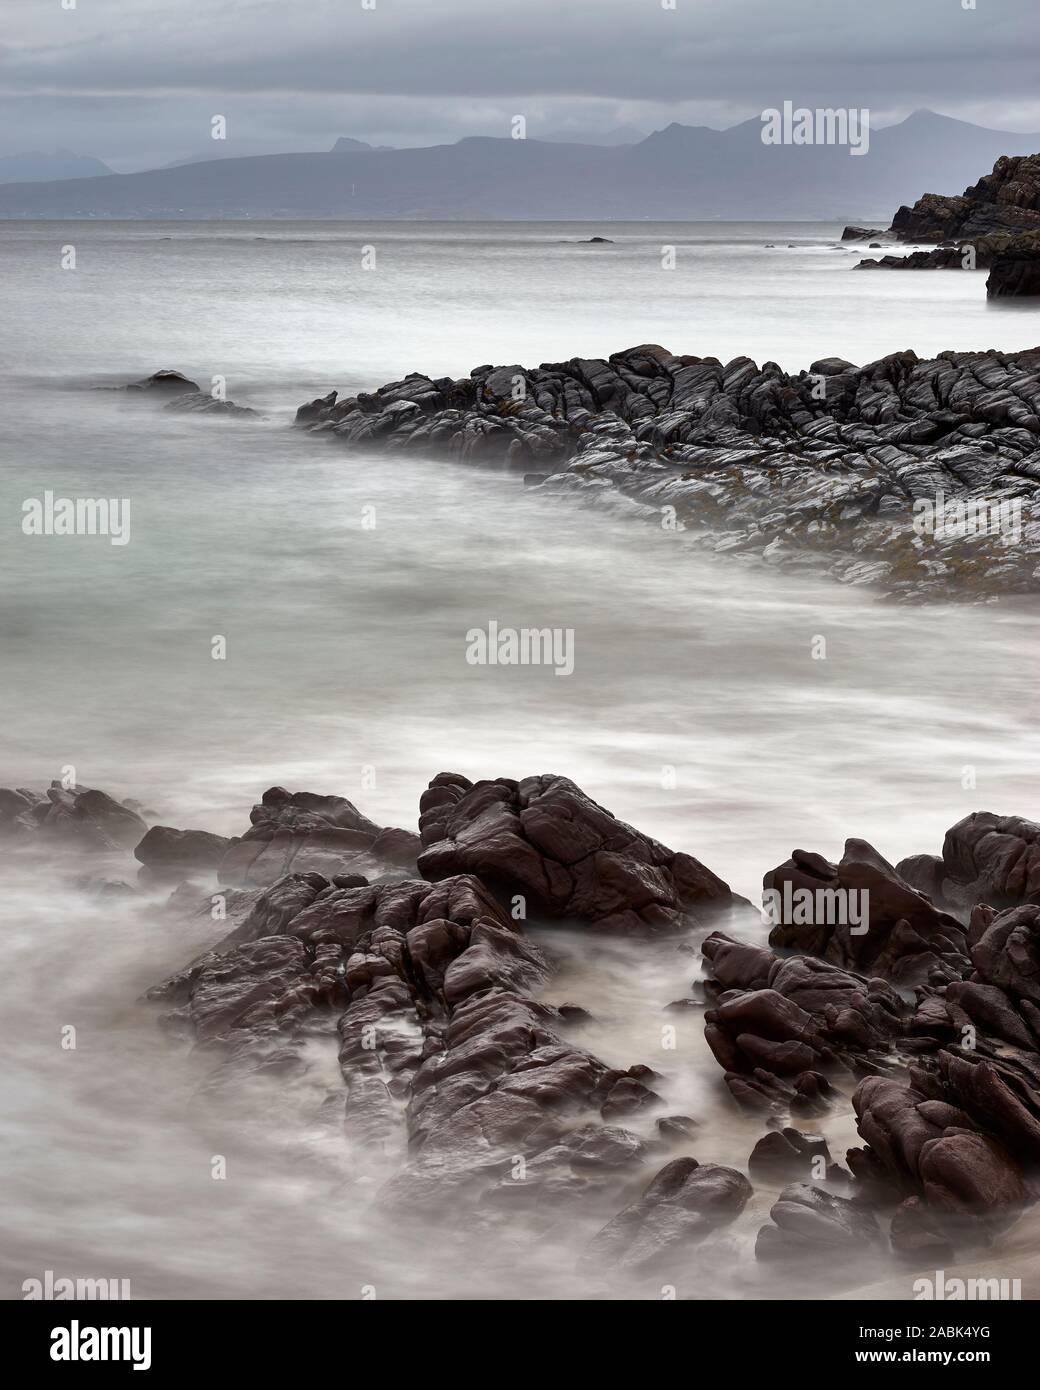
346, 650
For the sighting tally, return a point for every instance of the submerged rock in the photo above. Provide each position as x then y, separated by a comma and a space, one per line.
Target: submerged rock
165, 382
810, 1222
684, 1202
789, 1154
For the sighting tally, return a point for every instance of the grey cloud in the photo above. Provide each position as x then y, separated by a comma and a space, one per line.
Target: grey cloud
411, 71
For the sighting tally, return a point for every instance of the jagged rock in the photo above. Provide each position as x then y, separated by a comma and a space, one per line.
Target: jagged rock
307, 833
1006, 200
986, 858
586, 1162
445, 1057
861, 914
932, 1148
1007, 953
943, 258
810, 1222
1001, 1093
778, 1021
17, 820
824, 468
544, 839
168, 853
990, 1009
683, 1203
76, 816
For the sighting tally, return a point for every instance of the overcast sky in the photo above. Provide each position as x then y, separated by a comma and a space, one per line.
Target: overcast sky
136, 82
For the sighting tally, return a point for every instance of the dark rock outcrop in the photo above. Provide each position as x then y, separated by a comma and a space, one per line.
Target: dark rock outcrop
943, 258
779, 1024
445, 1055
859, 233
76, 816
182, 394
933, 1148
788, 1155
985, 859
543, 839
203, 403
921, 1140
994, 225
305, 833
862, 915
822, 468
168, 853
1015, 273
1004, 201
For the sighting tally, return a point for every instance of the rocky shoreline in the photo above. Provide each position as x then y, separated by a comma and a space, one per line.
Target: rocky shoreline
412, 954
994, 225
833, 470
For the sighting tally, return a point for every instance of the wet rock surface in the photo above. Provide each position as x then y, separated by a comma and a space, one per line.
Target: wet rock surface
168, 853
780, 1023
985, 858
543, 839
76, 816
306, 833
684, 1202
1015, 273
948, 1096
860, 914
994, 226
1007, 200
428, 992
811, 1222
825, 469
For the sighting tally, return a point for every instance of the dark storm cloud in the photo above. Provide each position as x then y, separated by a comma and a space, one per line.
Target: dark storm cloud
127, 78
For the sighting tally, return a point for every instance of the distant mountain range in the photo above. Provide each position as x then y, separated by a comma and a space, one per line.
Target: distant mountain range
620, 135
40, 168
679, 173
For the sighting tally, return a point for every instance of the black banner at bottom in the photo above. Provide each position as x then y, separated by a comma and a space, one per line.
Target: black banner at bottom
167, 1340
